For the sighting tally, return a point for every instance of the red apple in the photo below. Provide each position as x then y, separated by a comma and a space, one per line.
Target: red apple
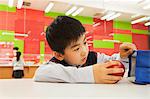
118, 66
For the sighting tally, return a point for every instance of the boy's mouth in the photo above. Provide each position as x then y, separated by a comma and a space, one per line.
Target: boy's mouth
84, 59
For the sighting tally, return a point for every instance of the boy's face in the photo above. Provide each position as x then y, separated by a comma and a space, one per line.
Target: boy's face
77, 52
14, 52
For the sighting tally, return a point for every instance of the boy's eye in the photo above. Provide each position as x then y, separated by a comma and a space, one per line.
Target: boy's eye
76, 49
85, 43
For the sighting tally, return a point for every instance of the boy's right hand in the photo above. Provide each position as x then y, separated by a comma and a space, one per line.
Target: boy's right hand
102, 72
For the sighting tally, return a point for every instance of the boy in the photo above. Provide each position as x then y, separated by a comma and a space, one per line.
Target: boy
15, 49
72, 61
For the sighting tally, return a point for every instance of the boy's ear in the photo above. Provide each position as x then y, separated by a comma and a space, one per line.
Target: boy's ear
59, 56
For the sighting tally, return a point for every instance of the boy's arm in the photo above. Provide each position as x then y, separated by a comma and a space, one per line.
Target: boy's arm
22, 62
97, 73
125, 50
101, 57
13, 62
53, 72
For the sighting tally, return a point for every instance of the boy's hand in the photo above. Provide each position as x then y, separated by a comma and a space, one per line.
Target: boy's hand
126, 49
102, 72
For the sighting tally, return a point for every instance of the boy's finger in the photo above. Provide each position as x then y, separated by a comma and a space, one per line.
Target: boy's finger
109, 81
126, 46
130, 51
125, 54
115, 70
111, 63
113, 78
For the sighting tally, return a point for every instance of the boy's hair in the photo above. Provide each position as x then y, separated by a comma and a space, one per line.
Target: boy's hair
16, 48
62, 32
18, 54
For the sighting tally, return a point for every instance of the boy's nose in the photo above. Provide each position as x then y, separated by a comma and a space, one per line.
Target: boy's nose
83, 53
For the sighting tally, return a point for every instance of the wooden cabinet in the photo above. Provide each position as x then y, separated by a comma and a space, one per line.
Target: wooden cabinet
6, 71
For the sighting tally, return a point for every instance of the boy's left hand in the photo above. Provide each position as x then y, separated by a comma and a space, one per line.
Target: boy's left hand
126, 49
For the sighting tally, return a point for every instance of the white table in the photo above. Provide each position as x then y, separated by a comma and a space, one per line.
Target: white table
19, 88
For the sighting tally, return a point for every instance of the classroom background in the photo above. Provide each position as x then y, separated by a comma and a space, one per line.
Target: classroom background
25, 28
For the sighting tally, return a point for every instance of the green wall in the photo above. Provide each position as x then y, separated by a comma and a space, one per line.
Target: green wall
11, 38
42, 50
6, 8
83, 20
102, 44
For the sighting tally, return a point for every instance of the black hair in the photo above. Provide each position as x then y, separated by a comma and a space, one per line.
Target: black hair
62, 32
18, 54
16, 48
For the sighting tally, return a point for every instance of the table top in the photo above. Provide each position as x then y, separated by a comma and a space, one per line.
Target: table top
28, 88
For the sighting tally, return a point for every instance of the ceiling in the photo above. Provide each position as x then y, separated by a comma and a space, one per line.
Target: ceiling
93, 7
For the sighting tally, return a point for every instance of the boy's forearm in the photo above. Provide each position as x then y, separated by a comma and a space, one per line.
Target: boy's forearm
59, 73
95, 74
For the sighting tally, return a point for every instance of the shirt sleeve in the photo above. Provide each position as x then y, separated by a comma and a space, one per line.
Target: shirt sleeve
54, 72
22, 62
13, 62
101, 57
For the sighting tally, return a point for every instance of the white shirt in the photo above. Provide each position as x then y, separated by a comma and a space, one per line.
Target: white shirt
55, 72
18, 65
